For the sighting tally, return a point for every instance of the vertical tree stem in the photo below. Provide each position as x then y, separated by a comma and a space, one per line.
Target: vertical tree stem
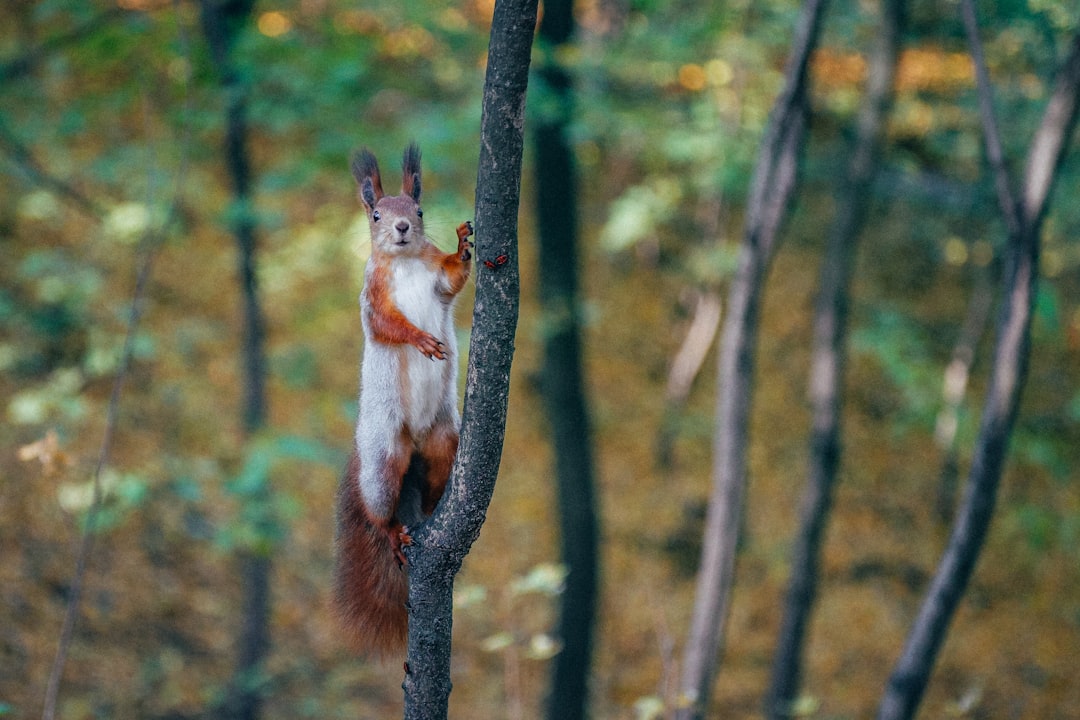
441, 543
827, 366
562, 383
909, 678
771, 189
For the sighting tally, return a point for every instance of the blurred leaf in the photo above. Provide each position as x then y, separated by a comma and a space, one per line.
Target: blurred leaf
898, 345
497, 642
469, 595
298, 366
543, 646
1048, 310
649, 708
637, 215
545, 579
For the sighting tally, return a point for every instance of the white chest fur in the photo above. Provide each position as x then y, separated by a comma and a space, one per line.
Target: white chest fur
425, 381
413, 291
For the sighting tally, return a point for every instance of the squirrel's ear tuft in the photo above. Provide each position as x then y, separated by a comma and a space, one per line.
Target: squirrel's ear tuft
366, 171
410, 172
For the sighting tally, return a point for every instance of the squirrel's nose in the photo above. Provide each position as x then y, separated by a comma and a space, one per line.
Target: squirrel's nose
402, 226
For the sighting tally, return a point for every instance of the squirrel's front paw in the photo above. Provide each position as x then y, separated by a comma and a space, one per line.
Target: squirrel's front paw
397, 542
464, 230
430, 346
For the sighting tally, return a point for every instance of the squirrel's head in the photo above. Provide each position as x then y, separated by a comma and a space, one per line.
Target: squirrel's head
396, 221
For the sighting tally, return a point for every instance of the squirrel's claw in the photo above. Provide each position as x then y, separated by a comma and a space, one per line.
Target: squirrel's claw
400, 539
464, 230
397, 542
431, 347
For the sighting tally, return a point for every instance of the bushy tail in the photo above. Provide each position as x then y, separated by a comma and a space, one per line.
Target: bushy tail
371, 591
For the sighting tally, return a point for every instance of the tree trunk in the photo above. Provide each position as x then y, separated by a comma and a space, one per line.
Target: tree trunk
441, 543
222, 21
827, 366
685, 367
772, 187
954, 389
561, 373
1023, 218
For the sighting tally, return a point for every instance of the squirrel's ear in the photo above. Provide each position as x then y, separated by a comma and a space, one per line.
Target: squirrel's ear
410, 172
366, 171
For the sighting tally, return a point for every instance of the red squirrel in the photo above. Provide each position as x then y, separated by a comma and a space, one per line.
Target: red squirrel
407, 430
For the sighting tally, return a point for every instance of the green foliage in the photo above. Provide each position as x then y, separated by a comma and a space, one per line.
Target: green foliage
899, 347
123, 494
520, 600
1043, 530
264, 514
670, 103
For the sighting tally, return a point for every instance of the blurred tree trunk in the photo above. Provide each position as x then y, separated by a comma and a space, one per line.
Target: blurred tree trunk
1023, 217
771, 189
441, 543
685, 366
954, 388
222, 21
828, 362
561, 373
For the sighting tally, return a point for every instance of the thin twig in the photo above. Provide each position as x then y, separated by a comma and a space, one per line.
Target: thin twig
149, 245
23, 64
991, 135
86, 545
21, 156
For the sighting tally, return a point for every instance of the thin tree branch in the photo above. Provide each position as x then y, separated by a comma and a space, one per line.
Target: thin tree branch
828, 363
1051, 138
695, 346
991, 135
23, 64
86, 544
909, 678
222, 23
562, 375
771, 189
954, 389
148, 247
22, 156
441, 543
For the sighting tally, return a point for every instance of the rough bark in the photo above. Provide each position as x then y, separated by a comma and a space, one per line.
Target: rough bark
771, 189
1023, 215
562, 383
827, 366
440, 544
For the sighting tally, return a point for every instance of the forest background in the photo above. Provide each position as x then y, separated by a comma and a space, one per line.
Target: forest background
112, 119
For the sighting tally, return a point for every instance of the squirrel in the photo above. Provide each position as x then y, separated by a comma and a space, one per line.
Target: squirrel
407, 429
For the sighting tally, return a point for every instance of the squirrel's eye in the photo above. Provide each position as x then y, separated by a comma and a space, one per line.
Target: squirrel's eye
375, 216
419, 212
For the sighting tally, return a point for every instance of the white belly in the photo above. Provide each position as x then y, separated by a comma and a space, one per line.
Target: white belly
425, 381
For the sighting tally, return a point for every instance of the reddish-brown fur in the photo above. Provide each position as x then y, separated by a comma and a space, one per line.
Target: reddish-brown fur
437, 452
388, 324
409, 472
372, 589
371, 582
456, 264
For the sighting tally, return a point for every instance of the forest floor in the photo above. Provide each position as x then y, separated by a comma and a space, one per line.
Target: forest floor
161, 607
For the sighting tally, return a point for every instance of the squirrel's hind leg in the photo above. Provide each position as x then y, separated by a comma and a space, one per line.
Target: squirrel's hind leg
437, 451
380, 484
